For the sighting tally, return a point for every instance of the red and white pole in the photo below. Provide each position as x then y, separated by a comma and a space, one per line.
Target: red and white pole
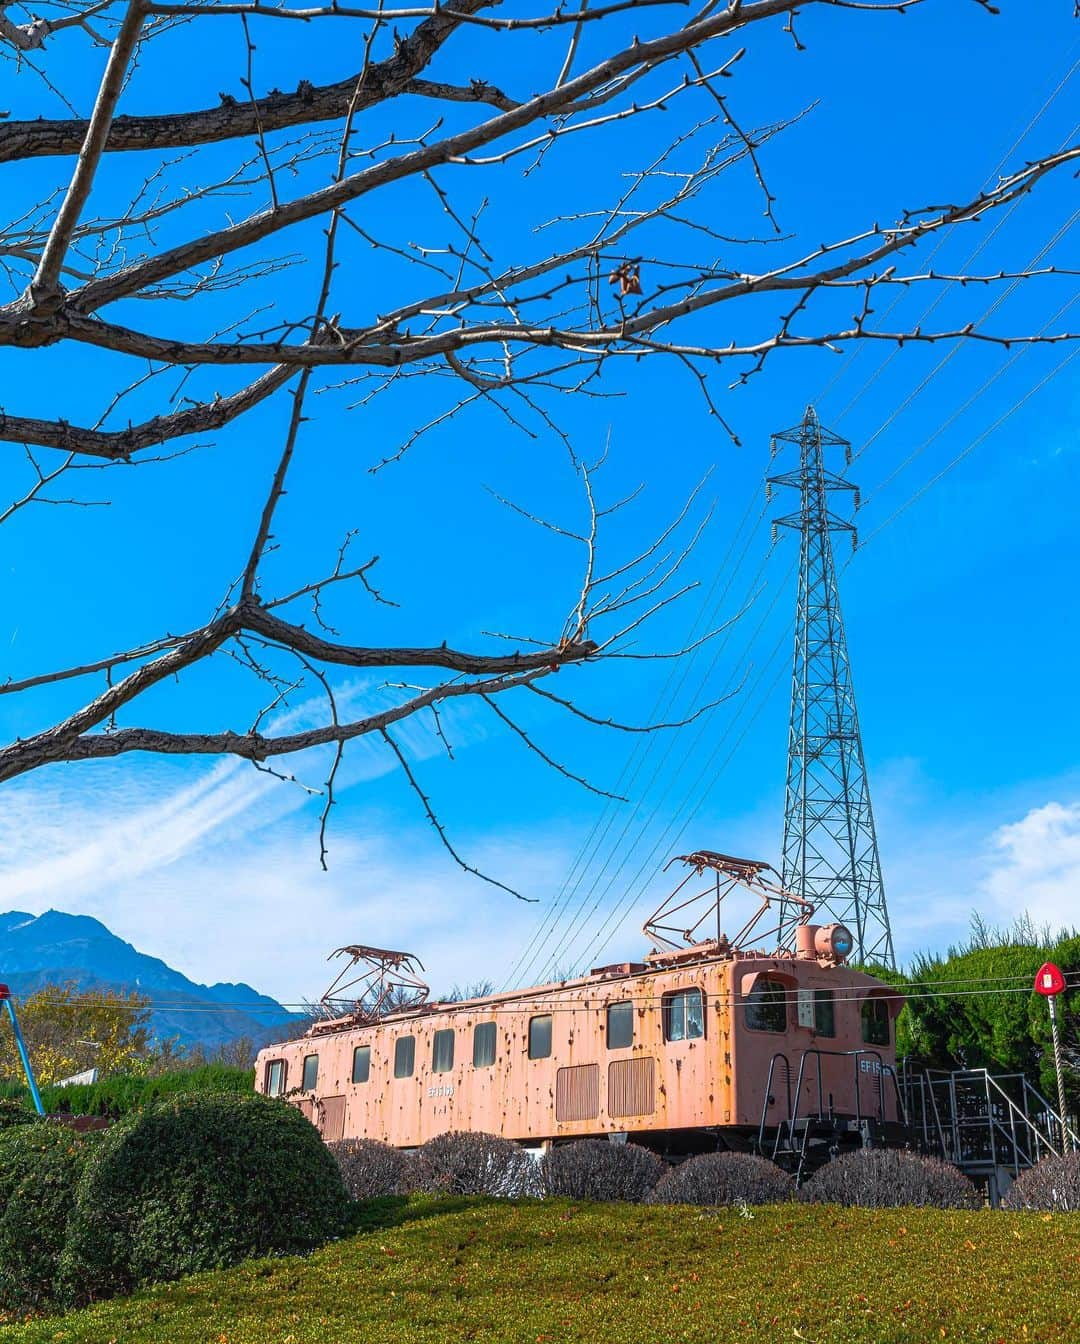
1049, 982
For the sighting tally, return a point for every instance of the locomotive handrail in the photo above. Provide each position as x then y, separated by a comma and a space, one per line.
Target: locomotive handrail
787, 1126
769, 1098
854, 1056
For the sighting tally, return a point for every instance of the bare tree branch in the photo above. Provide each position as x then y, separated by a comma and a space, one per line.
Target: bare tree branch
361, 223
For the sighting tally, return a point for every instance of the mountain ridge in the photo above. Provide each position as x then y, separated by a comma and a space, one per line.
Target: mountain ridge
56, 947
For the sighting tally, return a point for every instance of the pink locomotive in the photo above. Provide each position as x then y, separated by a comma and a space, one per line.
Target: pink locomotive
714, 1043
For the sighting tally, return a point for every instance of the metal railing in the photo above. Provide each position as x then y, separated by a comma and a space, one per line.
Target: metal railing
982, 1121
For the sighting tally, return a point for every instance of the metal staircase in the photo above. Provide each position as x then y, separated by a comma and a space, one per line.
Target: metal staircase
991, 1126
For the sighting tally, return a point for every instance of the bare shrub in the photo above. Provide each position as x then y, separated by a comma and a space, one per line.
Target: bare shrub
886, 1178
599, 1170
462, 1163
1052, 1186
724, 1178
370, 1169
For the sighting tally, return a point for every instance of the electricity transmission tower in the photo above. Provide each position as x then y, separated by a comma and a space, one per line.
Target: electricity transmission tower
830, 846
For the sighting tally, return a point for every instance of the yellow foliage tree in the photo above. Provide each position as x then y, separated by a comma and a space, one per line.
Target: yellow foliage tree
68, 1030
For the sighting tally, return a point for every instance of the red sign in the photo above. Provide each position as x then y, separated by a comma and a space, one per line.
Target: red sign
1049, 980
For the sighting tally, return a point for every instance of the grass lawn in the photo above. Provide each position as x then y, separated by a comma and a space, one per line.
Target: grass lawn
553, 1273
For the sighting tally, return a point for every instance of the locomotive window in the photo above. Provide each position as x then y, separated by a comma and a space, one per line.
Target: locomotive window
684, 1015
620, 1025
483, 1045
442, 1051
875, 1022
311, 1073
275, 1078
540, 1037
404, 1056
361, 1063
766, 1006
824, 1012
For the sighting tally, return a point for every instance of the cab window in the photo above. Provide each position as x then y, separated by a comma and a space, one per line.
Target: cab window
483, 1045
620, 1025
684, 1015
540, 1036
404, 1056
311, 1073
361, 1063
275, 1078
442, 1051
875, 1022
766, 1005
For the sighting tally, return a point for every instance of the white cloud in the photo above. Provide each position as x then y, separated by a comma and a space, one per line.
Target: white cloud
1036, 867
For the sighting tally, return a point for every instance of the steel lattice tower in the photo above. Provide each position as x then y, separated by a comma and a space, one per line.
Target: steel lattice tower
830, 846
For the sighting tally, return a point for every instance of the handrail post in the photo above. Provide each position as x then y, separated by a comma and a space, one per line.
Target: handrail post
990, 1119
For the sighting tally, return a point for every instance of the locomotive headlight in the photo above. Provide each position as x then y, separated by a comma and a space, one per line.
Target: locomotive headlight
835, 942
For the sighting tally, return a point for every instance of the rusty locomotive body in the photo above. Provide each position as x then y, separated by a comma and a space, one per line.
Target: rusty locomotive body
712, 1044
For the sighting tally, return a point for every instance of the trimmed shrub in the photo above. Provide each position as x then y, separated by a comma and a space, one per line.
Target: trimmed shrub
40, 1166
724, 1178
463, 1163
370, 1169
196, 1183
15, 1113
598, 1170
1052, 1186
887, 1178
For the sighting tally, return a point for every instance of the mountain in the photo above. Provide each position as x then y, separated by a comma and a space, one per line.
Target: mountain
56, 948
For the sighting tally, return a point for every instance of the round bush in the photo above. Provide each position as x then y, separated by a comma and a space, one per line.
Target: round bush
887, 1178
370, 1169
199, 1182
462, 1163
1052, 1186
724, 1178
40, 1166
598, 1170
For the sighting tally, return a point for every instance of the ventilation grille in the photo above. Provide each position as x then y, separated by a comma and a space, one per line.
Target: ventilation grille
632, 1087
577, 1093
332, 1118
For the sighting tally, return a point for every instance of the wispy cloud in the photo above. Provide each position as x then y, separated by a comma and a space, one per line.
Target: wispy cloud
215, 866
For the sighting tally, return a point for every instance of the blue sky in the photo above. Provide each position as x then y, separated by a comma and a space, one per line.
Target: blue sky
961, 611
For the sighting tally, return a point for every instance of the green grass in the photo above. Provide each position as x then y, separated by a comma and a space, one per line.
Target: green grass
560, 1273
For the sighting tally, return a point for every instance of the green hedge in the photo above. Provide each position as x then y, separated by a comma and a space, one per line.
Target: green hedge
194, 1183
122, 1093
40, 1166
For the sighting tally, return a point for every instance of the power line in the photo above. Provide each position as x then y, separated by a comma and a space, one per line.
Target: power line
951, 354
1004, 368
940, 243
913, 989
575, 919
582, 918
636, 758
979, 439
602, 828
